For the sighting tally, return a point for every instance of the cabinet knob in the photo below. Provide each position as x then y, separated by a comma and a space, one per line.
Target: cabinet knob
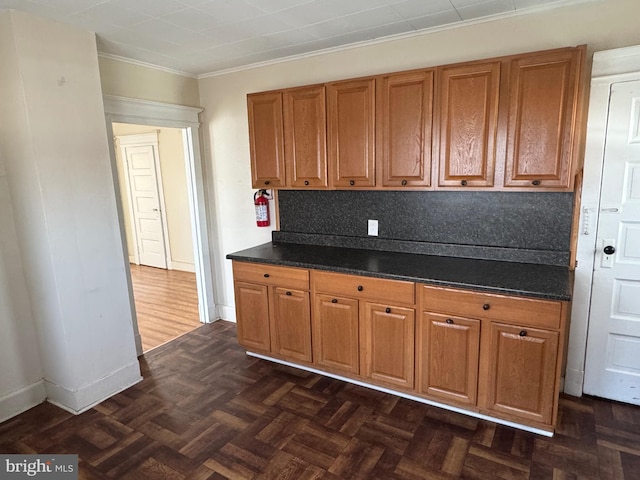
486, 306
352, 182
360, 288
289, 293
266, 275
404, 182
449, 321
463, 183
334, 300
306, 182
523, 333
388, 310
267, 182
535, 182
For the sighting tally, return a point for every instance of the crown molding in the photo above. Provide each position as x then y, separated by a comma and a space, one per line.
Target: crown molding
145, 65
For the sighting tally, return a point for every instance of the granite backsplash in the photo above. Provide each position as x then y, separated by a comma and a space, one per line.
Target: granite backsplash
527, 227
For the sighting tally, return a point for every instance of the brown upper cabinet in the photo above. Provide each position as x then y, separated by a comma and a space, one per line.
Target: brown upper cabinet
305, 127
404, 128
469, 97
266, 139
511, 123
351, 132
542, 124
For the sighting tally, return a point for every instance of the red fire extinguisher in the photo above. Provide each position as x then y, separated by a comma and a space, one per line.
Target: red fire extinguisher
261, 202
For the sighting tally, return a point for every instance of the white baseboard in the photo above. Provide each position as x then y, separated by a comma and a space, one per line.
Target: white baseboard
225, 312
18, 401
88, 396
183, 266
573, 380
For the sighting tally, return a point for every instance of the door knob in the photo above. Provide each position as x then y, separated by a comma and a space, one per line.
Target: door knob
609, 250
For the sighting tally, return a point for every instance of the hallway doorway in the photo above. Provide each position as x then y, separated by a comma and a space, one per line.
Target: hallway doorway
152, 174
157, 115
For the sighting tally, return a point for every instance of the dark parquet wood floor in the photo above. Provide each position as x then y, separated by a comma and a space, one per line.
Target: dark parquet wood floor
207, 411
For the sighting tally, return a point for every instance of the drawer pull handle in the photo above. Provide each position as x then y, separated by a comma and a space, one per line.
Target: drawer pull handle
463, 183
388, 310
266, 275
449, 321
306, 182
360, 288
288, 293
334, 300
404, 183
523, 333
486, 306
352, 182
267, 182
535, 183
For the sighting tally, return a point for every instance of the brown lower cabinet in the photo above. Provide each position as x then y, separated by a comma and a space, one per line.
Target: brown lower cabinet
522, 366
335, 333
496, 355
447, 355
291, 324
272, 310
252, 310
387, 355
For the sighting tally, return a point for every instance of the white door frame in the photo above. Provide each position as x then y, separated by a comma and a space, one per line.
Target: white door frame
145, 112
610, 66
144, 139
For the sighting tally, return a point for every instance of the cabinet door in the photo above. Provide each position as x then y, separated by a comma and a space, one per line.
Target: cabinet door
447, 357
266, 139
291, 324
351, 128
468, 124
404, 125
252, 311
522, 371
543, 92
305, 128
388, 344
335, 333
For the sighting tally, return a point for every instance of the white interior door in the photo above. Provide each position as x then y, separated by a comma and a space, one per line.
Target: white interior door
146, 205
612, 367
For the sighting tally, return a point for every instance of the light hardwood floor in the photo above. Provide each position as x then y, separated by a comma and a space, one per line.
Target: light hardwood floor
166, 304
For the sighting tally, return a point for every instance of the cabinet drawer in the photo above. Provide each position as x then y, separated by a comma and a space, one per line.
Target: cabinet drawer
286, 277
519, 310
380, 289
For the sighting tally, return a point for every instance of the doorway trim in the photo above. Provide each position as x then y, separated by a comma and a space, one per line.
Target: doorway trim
158, 114
144, 139
609, 67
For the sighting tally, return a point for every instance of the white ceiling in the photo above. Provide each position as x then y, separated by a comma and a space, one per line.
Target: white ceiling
206, 36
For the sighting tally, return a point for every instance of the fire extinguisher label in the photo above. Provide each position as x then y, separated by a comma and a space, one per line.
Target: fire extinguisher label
261, 213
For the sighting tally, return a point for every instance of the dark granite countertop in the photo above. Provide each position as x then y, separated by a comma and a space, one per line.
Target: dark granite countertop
540, 281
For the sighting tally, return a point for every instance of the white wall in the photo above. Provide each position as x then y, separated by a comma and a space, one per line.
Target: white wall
21, 383
59, 176
174, 184
602, 25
